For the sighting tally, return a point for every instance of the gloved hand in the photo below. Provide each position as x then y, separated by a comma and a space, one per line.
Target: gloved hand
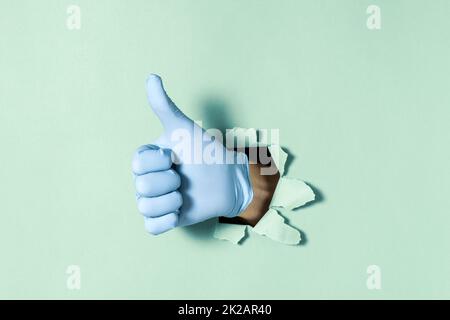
186, 176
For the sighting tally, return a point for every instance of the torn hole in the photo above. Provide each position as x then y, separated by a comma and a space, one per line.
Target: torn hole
271, 191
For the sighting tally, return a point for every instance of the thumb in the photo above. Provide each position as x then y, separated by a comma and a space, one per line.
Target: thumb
170, 116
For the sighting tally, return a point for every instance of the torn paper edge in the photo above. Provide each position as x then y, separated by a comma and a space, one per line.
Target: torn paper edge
302, 195
273, 226
279, 231
230, 232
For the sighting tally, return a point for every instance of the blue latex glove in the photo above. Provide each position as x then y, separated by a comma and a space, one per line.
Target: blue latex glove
176, 184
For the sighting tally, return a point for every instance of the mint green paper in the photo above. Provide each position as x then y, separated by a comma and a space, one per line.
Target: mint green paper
364, 112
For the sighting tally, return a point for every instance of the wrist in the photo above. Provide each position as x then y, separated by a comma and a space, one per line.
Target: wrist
261, 187
244, 189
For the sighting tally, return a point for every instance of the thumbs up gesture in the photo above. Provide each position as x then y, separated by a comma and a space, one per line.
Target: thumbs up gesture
186, 176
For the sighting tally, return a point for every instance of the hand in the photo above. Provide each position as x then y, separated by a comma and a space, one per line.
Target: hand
186, 176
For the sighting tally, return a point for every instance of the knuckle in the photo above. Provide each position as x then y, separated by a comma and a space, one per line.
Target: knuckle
176, 177
137, 162
178, 199
141, 185
143, 206
152, 227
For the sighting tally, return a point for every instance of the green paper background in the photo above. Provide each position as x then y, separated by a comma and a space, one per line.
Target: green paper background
365, 114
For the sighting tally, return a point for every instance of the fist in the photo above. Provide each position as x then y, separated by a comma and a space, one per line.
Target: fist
186, 191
